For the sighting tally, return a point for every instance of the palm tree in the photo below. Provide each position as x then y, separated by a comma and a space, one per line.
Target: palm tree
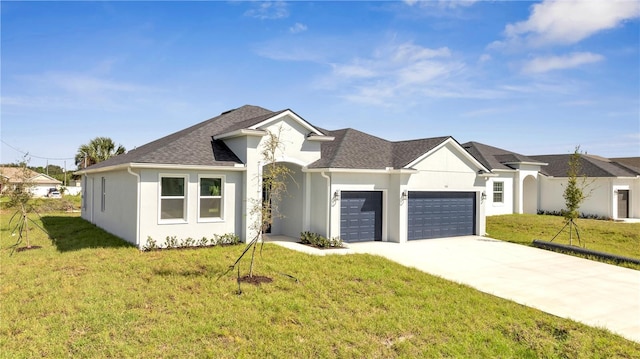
97, 150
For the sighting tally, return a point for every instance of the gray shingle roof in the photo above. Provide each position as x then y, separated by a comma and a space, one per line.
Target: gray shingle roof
592, 166
195, 145
497, 158
632, 163
354, 149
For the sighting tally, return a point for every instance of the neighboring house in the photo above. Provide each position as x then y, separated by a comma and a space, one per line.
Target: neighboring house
39, 183
512, 183
613, 187
203, 180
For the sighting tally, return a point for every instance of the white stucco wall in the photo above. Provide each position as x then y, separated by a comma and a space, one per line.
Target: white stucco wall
318, 208
193, 227
506, 207
602, 200
118, 216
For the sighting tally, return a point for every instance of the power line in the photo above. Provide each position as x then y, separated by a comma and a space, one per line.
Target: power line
39, 157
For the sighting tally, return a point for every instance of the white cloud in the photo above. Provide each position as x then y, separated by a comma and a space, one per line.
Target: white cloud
550, 63
484, 58
297, 27
353, 71
401, 74
268, 10
569, 21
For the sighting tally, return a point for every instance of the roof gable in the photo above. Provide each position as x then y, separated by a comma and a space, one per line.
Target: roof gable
194, 145
353, 149
458, 148
279, 115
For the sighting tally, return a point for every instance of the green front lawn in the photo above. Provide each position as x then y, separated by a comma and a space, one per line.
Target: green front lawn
604, 236
91, 295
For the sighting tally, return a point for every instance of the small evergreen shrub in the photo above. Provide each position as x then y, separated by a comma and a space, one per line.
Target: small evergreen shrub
227, 238
172, 242
316, 240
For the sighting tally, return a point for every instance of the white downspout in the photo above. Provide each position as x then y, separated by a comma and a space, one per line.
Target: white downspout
137, 205
328, 203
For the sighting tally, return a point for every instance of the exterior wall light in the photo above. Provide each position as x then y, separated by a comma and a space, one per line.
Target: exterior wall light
483, 196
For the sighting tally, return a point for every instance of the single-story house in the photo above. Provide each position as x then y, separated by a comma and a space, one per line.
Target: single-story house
613, 187
39, 183
202, 180
512, 184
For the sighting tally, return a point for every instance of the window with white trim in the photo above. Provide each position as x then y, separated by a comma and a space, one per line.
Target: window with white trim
173, 198
103, 188
210, 198
498, 192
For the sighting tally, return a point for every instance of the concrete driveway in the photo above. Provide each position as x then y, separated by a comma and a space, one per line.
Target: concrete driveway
590, 292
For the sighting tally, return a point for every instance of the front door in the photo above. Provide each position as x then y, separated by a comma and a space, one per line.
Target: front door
623, 203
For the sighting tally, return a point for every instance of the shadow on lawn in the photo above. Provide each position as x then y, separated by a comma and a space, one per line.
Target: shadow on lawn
74, 233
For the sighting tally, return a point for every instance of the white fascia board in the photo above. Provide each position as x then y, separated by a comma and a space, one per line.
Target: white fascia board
526, 163
460, 149
124, 166
291, 114
320, 138
361, 170
240, 133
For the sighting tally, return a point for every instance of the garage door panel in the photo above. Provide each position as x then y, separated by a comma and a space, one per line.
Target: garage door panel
441, 214
361, 216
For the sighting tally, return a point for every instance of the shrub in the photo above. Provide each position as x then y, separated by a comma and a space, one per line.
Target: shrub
316, 240
203, 242
151, 244
171, 242
226, 239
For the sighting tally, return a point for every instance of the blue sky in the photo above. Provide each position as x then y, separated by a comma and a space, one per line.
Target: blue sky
530, 77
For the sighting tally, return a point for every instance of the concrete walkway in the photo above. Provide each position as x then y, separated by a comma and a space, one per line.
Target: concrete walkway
590, 292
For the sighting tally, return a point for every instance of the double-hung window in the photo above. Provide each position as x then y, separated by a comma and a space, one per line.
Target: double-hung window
210, 198
173, 198
498, 192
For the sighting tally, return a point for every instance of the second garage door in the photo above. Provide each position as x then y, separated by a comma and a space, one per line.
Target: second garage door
441, 214
361, 216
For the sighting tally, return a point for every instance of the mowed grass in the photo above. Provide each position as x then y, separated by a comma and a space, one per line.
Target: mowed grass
605, 236
90, 295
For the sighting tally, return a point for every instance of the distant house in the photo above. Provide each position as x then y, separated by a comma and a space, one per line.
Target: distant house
614, 187
512, 183
39, 183
202, 180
